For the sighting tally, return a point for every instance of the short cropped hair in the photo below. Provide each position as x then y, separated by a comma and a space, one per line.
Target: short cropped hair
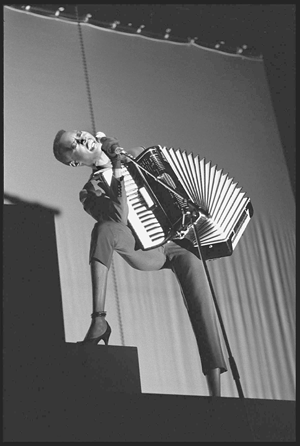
58, 150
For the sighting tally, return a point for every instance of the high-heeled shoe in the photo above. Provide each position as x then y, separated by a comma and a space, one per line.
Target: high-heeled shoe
105, 336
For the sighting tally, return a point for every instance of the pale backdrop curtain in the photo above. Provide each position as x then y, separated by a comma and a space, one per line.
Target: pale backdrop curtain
149, 92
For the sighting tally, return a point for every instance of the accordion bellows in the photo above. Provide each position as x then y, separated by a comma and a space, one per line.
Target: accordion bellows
158, 213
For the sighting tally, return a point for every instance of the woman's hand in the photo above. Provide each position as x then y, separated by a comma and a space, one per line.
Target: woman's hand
109, 146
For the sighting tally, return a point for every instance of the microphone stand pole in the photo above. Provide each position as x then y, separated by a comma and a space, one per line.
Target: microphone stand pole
193, 216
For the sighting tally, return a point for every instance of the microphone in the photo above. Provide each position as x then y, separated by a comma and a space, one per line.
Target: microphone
114, 149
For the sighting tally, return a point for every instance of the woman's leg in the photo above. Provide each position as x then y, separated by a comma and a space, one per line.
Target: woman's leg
213, 382
190, 273
107, 238
99, 273
101, 251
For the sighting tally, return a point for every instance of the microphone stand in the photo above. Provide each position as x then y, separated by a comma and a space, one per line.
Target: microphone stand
192, 216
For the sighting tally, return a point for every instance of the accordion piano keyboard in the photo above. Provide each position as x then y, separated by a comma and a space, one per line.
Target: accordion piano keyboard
141, 217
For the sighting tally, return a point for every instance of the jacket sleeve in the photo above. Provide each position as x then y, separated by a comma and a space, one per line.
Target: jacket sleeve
94, 200
105, 205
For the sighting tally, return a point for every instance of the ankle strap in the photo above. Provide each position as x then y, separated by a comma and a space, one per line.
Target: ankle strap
98, 313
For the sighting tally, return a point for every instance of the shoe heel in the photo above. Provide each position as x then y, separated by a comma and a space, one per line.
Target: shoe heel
107, 334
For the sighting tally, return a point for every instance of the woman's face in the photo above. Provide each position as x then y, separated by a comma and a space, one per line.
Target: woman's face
83, 148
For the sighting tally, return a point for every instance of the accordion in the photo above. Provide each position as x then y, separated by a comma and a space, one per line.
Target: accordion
160, 184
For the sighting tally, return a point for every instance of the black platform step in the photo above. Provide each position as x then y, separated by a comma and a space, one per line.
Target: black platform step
94, 416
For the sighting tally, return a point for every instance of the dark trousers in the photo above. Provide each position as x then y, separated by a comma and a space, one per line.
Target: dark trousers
111, 236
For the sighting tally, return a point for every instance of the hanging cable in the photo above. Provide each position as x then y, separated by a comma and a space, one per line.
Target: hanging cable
94, 132
86, 72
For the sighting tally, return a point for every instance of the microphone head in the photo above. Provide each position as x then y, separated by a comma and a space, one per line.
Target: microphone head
100, 135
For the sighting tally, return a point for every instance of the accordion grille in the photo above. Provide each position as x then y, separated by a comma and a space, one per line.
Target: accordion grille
228, 207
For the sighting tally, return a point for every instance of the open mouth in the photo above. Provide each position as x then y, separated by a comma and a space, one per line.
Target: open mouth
91, 145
